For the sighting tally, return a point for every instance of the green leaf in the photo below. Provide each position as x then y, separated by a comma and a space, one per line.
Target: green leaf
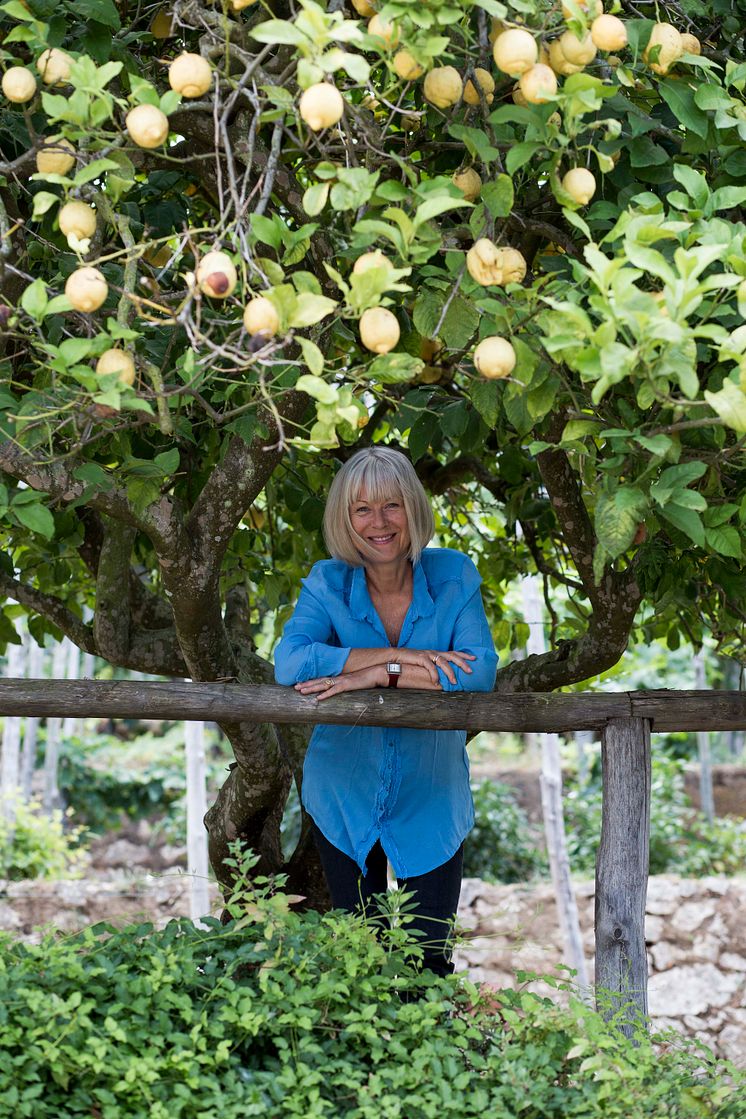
428, 307
476, 141
726, 540
460, 323
726, 198
35, 517
310, 309
34, 300
498, 196
485, 396
616, 520
73, 350
102, 11
276, 31
94, 170
266, 231
317, 388
431, 207
315, 198
312, 355
392, 369
680, 98
730, 405
43, 201
520, 154
687, 521
693, 182
421, 434
168, 461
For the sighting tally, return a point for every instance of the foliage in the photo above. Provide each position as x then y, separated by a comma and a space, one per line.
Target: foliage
286, 1013
681, 840
102, 778
627, 329
38, 845
184, 508
501, 847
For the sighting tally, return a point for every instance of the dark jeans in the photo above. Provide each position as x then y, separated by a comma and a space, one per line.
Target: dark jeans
436, 895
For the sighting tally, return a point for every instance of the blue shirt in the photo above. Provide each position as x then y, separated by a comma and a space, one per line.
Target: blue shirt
407, 787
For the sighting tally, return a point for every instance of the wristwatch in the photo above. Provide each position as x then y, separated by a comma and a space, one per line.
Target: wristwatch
394, 670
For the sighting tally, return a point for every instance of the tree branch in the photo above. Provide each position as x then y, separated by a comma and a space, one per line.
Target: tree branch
158, 521
236, 483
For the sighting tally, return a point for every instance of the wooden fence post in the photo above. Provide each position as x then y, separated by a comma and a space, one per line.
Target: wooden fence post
622, 864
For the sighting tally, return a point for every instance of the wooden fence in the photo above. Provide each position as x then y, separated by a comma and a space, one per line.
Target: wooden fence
624, 720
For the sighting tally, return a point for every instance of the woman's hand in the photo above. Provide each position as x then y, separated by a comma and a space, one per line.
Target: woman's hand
431, 660
375, 676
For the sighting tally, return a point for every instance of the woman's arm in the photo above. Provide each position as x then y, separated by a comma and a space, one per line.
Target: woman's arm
304, 651
374, 676
472, 635
423, 658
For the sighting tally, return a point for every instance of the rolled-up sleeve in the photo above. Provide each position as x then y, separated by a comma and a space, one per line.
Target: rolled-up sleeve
305, 650
471, 634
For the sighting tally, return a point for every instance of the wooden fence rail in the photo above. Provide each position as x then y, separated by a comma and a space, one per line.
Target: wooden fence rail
666, 710
624, 720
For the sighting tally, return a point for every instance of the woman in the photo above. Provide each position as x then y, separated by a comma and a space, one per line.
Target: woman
387, 611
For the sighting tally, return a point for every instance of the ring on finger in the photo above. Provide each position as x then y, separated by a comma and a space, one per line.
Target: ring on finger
330, 681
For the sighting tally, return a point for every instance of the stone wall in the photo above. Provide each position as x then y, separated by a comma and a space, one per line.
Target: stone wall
696, 936
696, 933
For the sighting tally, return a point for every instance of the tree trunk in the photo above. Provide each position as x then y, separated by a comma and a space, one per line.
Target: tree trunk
551, 802
622, 863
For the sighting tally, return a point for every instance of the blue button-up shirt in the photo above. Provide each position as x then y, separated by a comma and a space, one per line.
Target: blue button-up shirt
407, 787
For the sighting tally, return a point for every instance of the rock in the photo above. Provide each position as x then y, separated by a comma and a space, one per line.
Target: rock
690, 989
653, 929
732, 1044
172, 855
664, 955
123, 853
664, 896
692, 914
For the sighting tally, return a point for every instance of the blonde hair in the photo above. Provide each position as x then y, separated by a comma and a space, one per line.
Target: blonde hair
383, 473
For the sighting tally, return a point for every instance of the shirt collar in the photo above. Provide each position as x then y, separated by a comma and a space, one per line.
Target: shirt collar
361, 605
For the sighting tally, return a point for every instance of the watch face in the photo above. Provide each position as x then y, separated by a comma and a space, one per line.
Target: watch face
393, 668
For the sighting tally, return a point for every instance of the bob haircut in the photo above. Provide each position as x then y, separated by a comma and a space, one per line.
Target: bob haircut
383, 473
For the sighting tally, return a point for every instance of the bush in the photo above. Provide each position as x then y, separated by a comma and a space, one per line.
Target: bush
103, 779
38, 845
502, 847
281, 1014
681, 840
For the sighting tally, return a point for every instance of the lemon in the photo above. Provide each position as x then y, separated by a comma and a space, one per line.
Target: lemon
495, 357
190, 75
321, 106
216, 275
260, 316
86, 288
19, 84
379, 330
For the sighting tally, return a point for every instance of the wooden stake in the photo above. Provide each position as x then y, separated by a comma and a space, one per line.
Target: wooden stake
622, 865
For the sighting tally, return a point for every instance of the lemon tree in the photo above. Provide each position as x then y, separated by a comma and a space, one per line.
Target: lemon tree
239, 240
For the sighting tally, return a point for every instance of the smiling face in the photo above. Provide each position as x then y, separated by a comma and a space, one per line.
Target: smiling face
383, 525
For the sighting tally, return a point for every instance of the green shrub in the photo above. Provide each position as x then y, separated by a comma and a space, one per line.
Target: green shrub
103, 779
281, 1014
38, 845
502, 847
681, 840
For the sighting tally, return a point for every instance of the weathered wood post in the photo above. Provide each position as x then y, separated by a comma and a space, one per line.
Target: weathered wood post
622, 864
